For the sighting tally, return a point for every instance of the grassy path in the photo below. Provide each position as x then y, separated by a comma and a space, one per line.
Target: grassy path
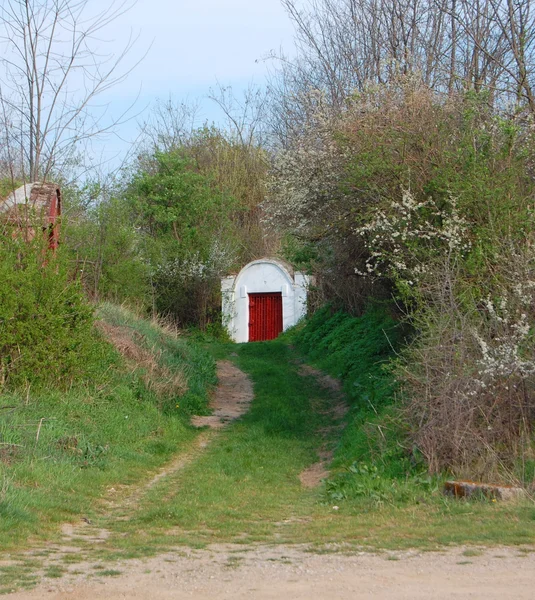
244, 487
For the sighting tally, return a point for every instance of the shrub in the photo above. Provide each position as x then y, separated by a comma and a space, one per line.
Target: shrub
45, 322
432, 197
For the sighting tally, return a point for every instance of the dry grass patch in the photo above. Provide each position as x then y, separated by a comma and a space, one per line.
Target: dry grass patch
156, 377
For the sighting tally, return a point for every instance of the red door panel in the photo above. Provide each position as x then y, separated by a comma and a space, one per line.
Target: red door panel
265, 316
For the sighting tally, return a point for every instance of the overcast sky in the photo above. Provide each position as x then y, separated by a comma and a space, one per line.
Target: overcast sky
193, 45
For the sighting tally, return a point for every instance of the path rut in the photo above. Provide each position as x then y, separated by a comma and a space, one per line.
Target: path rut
314, 475
231, 399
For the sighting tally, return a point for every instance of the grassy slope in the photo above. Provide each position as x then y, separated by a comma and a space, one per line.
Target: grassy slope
373, 453
107, 431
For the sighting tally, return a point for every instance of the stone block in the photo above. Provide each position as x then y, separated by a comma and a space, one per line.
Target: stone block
467, 489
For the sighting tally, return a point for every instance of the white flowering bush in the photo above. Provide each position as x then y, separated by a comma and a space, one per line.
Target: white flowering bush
403, 240
506, 352
304, 187
470, 376
429, 199
192, 266
187, 285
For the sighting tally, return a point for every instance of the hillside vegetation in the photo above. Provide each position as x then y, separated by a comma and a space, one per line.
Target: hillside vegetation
403, 196
393, 160
125, 414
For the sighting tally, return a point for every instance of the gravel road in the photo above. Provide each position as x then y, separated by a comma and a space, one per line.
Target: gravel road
283, 572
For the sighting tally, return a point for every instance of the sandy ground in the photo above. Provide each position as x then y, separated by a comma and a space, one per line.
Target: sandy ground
235, 572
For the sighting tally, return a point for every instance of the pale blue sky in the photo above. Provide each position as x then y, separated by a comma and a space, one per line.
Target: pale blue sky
194, 45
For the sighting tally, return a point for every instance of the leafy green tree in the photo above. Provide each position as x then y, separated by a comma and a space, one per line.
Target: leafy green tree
186, 228
104, 245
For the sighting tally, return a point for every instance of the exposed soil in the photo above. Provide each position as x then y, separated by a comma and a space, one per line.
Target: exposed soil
316, 473
157, 377
285, 572
326, 381
231, 399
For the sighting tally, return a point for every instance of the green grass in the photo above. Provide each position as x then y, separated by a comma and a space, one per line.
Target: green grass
109, 573
245, 487
60, 451
54, 572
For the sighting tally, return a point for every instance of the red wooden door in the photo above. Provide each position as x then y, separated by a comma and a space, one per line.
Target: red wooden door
265, 316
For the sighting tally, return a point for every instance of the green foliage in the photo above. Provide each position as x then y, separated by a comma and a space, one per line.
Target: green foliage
60, 450
353, 349
104, 245
368, 482
46, 323
184, 213
187, 234
172, 198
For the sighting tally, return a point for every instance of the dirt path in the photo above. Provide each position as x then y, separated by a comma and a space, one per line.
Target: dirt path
231, 399
267, 572
261, 573
317, 472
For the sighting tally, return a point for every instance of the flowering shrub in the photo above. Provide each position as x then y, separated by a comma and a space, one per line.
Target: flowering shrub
430, 198
503, 352
403, 240
305, 178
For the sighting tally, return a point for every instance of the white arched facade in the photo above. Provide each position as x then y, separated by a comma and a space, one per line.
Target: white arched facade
261, 277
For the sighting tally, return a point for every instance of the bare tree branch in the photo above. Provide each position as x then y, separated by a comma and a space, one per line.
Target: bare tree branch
51, 73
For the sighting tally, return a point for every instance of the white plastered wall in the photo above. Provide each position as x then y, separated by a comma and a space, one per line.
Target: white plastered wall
262, 276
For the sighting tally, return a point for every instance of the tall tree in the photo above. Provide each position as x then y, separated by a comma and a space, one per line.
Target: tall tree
344, 46
52, 69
